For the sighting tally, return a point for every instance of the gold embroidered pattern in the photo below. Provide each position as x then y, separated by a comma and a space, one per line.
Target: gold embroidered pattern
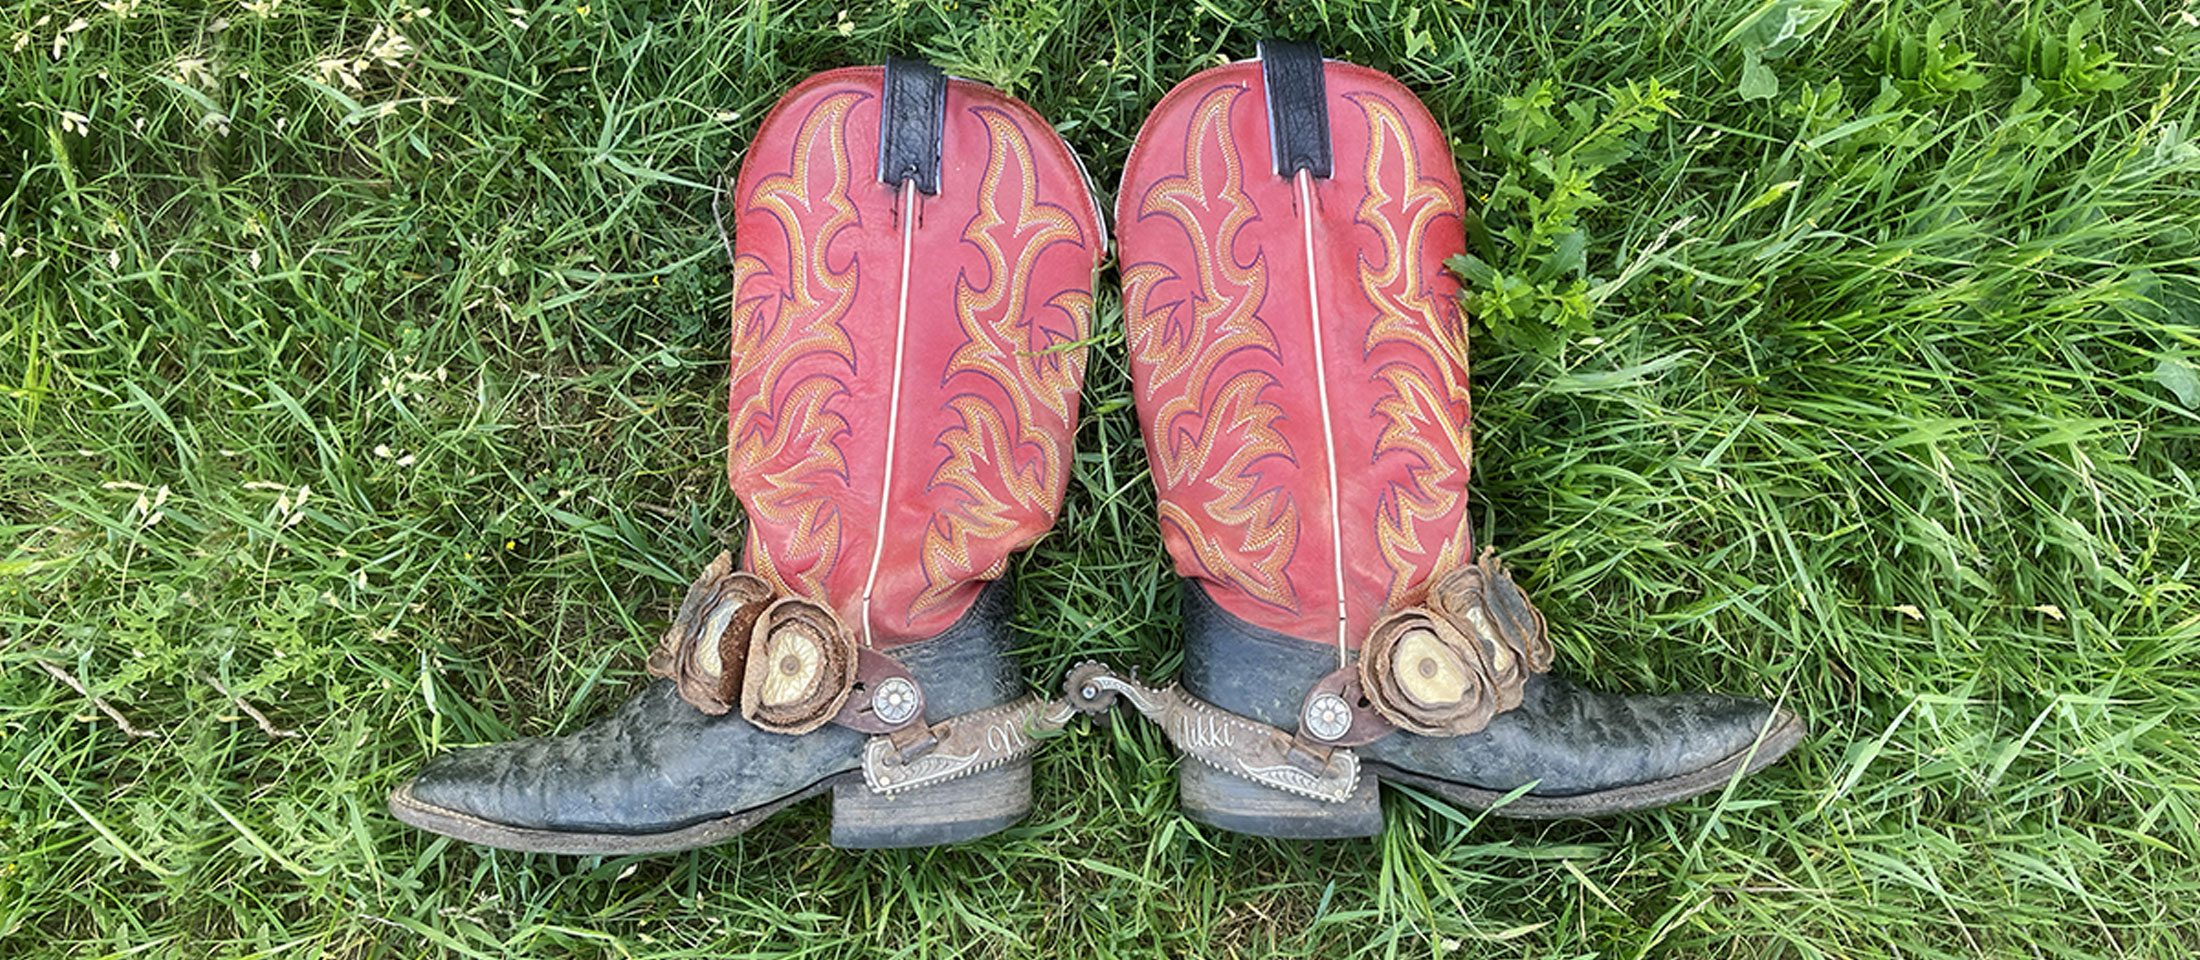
1209, 202
783, 436
1009, 354
1419, 526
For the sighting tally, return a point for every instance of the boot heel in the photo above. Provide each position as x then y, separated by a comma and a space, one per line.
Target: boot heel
1218, 799
952, 812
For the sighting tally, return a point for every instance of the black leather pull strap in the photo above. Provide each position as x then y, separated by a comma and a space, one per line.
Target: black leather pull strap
1298, 107
910, 124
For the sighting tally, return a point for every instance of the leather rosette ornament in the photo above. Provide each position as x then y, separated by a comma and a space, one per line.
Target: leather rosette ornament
1425, 676
800, 668
1448, 668
787, 663
1484, 599
708, 645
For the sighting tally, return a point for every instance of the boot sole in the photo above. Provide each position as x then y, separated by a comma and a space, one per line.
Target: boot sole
952, 812
1231, 803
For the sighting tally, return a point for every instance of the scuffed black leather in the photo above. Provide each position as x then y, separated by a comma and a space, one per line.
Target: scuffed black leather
911, 123
1298, 107
1572, 741
658, 764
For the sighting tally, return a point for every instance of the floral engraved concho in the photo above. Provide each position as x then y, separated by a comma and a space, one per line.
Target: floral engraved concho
787, 663
1446, 668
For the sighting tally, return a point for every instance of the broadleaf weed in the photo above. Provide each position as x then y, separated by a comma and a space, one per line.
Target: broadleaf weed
1528, 281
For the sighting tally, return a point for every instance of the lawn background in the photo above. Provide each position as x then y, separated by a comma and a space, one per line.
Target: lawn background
363, 364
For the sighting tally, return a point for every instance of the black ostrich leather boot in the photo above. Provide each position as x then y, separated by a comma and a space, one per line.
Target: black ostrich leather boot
912, 288
1300, 371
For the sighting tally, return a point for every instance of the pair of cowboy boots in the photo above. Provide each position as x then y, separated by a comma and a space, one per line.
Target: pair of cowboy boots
913, 293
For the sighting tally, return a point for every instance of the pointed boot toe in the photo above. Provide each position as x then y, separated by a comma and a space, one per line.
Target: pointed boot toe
1583, 753
656, 776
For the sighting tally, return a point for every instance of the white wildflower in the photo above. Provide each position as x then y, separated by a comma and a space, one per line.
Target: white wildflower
335, 70
148, 510
61, 39
76, 123
193, 71
263, 9
389, 47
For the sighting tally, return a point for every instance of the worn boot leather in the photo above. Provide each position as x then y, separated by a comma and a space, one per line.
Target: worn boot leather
913, 273
1587, 753
1300, 369
659, 774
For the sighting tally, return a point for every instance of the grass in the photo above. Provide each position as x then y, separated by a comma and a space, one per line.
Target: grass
364, 362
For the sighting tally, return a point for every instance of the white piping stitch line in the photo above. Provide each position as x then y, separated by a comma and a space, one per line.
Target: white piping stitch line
893, 400
1321, 388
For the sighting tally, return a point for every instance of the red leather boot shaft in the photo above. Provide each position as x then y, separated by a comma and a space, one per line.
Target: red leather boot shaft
959, 449
1228, 272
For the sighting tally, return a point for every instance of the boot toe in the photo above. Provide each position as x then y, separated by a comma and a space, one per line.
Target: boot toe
1608, 752
1692, 733
487, 785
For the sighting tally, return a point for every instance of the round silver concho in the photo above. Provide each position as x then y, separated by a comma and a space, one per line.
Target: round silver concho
1328, 717
895, 700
